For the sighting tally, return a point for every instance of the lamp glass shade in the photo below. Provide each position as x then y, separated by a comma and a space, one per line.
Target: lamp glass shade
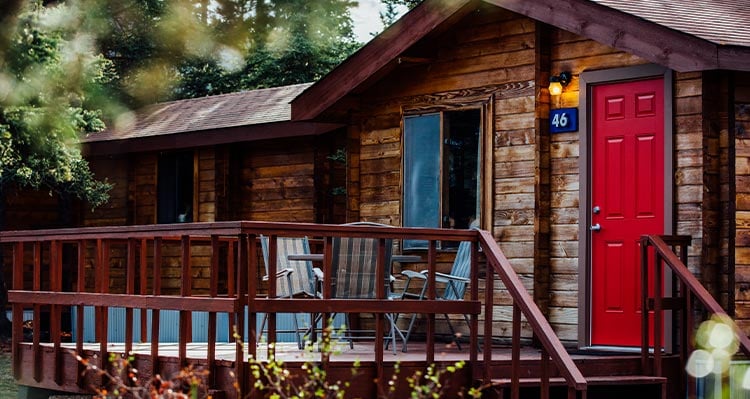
555, 88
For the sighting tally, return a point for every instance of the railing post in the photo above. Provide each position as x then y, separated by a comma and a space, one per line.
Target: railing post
644, 304
431, 293
544, 374
245, 288
658, 316
213, 292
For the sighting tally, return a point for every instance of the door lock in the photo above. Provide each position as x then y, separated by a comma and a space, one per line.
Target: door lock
596, 210
596, 227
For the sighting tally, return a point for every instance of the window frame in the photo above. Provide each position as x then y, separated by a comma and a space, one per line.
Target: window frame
485, 153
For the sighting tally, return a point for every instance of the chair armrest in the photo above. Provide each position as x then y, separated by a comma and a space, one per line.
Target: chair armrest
281, 273
412, 274
318, 273
449, 277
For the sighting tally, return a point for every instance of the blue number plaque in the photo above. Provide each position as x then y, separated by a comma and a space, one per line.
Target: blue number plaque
563, 120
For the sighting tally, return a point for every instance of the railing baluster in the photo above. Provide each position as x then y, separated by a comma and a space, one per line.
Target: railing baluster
246, 290
186, 287
130, 290
213, 293
515, 357
474, 318
143, 284
380, 272
489, 302
55, 285
103, 320
272, 270
18, 257
431, 293
155, 313
80, 287
37, 326
658, 324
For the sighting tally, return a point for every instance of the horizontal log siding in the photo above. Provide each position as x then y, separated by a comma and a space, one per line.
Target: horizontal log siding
115, 212
489, 54
576, 54
278, 182
689, 154
742, 198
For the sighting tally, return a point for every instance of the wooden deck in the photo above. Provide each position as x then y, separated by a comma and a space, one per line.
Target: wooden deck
601, 368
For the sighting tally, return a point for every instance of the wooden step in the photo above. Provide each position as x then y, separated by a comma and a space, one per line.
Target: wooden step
502, 384
598, 380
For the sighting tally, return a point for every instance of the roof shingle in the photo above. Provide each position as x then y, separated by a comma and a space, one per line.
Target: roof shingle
214, 112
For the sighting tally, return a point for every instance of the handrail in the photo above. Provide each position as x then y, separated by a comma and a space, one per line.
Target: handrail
690, 286
541, 327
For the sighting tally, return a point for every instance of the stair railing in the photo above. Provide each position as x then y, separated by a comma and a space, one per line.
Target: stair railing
524, 304
689, 290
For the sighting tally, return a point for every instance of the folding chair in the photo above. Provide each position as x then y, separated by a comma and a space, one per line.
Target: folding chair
354, 263
293, 277
454, 284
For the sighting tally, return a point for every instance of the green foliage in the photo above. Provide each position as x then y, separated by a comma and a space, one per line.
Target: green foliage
48, 82
284, 42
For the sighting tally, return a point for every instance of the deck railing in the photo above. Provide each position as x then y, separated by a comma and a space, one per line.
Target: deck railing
686, 294
228, 255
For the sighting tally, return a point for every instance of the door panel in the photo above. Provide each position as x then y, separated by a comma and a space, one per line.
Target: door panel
627, 188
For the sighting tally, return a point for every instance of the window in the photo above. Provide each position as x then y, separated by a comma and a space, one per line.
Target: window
175, 188
442, 170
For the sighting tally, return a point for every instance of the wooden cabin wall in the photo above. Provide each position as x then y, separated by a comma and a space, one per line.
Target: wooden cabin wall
570, 52
278, 180
116, 212
463, 69
741, 115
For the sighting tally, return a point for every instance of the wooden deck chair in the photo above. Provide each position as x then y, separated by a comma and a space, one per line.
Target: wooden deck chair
294, 278
454, 286
354, 263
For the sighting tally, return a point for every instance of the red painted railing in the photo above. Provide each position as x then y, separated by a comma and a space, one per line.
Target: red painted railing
231, 256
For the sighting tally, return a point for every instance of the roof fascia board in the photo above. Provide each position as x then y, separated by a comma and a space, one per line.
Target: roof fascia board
208, 137
734, 58
373, 56
653, 42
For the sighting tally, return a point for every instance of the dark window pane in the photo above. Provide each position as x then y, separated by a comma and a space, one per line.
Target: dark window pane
175, 188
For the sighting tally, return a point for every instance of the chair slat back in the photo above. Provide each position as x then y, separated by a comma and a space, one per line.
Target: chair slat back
302, 275
461, 268
354, 265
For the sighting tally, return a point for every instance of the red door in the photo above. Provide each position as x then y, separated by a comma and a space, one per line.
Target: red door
627, 194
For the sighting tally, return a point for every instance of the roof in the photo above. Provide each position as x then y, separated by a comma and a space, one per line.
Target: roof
683, 35
723, 22
244, 108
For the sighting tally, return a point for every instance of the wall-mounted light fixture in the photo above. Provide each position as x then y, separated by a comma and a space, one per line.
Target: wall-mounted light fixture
557, 82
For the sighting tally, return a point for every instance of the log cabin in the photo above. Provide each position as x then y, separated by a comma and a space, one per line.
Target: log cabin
568, 130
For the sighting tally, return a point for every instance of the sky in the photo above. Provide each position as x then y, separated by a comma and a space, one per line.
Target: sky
366, 19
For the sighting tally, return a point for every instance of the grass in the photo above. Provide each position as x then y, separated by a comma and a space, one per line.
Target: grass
8, 387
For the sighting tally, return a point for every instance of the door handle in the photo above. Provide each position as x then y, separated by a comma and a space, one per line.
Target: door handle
596, 227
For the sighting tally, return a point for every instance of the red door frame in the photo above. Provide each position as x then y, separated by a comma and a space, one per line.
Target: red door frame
587, 81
